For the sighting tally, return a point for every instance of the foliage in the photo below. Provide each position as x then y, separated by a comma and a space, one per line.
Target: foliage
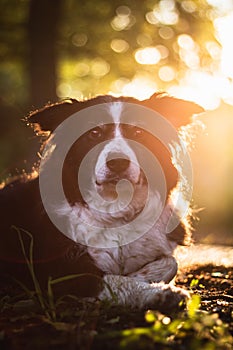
13, 51
195, 329
191, 329
98, 42
106, 54
46, 300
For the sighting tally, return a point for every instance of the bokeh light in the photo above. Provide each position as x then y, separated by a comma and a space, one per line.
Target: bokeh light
148, 55
173, 58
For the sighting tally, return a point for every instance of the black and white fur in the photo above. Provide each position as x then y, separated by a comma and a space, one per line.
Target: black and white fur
137, 272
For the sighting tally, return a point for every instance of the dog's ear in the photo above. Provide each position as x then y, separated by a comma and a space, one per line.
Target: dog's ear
49, 117
178, 112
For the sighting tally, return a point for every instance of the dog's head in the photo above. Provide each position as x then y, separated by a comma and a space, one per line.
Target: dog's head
118, 157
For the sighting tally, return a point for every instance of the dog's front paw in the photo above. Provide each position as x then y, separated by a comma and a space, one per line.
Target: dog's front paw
135, 294
170, 299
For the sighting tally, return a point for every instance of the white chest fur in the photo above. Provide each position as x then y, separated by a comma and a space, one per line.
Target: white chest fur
136, 246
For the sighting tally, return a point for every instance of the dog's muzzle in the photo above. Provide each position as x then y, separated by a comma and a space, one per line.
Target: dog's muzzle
115, 170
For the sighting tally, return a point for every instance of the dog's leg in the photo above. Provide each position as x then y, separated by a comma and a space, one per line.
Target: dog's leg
126, 291
160, 270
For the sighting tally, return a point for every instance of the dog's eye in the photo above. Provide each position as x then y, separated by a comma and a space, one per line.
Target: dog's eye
96, 134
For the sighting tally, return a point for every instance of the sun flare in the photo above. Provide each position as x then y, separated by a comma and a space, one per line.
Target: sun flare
207, 88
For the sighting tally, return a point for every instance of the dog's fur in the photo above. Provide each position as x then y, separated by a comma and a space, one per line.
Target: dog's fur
132, 272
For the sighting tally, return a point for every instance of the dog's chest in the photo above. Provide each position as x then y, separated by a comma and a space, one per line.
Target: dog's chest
128, 258
135, 246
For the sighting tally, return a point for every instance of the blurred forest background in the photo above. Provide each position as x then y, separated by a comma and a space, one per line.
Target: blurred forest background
53, 49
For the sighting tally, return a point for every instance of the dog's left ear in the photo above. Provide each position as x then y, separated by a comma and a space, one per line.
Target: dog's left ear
49, 117
178, 112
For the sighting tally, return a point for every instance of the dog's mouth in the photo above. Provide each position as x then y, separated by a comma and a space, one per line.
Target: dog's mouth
107, 188
110, 181
115, 179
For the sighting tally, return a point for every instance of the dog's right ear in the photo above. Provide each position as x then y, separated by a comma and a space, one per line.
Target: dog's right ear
49, 117
179, 112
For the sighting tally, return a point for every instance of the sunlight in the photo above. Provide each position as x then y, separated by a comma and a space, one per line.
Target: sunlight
140, 87
224, 27
147, 55
123, 20
205, 79
205, 87
164, 12
222, 5
119, 45
167, 73
99, 67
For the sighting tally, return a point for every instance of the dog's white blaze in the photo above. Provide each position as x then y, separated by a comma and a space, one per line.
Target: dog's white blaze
117, 145
115, 110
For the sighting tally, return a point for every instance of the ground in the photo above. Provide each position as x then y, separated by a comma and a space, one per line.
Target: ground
76, 324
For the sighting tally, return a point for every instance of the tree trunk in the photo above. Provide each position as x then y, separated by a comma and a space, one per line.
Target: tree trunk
42, 28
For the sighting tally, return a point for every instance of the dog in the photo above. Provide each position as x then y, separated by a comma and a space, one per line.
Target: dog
109, 233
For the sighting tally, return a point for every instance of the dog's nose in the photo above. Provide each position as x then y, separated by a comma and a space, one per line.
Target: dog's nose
118, 165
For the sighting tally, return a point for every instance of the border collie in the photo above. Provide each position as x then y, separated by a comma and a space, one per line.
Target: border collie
104, 204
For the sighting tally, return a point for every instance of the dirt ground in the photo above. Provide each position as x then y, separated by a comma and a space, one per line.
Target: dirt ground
76, 324
215, 287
